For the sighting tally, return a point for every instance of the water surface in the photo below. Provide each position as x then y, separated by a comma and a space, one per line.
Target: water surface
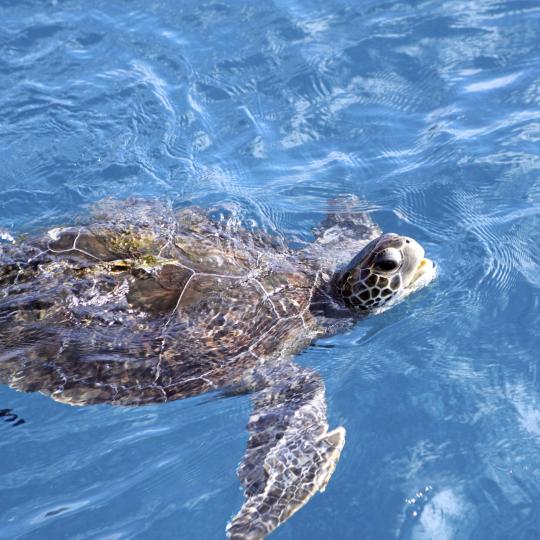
430, 113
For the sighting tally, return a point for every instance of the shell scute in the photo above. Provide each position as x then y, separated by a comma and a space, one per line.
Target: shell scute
146, 305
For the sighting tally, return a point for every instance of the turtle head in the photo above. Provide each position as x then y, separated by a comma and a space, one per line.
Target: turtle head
387, 270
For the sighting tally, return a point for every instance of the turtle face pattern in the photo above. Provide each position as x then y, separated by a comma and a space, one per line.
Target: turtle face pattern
387, 270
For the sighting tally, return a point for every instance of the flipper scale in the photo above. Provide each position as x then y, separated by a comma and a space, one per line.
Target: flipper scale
290, 453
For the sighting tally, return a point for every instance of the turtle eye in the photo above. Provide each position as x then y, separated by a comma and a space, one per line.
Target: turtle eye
388, 259
387, 264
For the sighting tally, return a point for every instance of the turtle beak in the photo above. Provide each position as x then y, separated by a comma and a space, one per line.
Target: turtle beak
421, 264
424, 273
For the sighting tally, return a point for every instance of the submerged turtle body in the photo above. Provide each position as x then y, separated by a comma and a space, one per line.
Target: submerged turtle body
135, 314
143, 304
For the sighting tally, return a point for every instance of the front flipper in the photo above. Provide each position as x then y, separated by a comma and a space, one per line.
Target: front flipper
346, 229
290, 452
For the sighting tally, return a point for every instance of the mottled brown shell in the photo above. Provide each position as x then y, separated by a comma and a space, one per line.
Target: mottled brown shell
145, 304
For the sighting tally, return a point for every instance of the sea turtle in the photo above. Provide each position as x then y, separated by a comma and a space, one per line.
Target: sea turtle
144, 304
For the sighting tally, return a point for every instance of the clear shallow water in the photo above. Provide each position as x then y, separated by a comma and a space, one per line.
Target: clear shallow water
430, 112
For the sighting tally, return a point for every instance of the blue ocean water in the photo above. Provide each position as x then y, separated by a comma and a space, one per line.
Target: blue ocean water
429, 111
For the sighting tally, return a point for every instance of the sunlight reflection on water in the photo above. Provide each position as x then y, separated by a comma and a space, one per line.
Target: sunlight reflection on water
429, 112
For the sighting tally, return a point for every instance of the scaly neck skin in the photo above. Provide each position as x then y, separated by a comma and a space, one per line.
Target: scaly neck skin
328, 308
338, 286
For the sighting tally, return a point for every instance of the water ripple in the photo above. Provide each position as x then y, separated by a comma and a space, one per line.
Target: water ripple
428, 113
